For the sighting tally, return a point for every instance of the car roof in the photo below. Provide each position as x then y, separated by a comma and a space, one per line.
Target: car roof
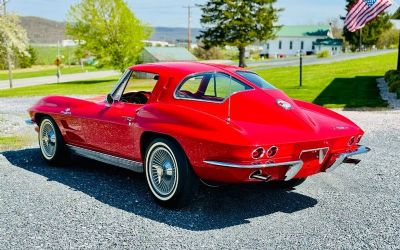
183, 67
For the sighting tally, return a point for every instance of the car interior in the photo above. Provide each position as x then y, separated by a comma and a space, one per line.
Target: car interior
134, 93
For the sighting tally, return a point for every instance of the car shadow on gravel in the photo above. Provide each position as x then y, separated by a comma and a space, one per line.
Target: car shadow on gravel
211, 209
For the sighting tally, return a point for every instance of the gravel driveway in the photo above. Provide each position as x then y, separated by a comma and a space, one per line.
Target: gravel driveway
86, 204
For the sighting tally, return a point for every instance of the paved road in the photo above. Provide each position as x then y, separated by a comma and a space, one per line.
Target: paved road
86, 204
310, 60
4, 84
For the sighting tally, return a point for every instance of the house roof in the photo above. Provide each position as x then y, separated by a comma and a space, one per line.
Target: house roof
170, 53
328, 42
303, 30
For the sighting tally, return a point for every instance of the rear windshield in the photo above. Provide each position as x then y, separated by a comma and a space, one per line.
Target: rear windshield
256, 79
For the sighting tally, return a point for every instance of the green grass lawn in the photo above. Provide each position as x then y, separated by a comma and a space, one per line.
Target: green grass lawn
12, 142
336, 85
44, 71
341, 84
47, 54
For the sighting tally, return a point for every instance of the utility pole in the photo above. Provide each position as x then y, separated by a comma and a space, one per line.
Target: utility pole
8, 52
189, 8
301, 68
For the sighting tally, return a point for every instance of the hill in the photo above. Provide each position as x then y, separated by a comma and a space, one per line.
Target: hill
42, 30
45, 31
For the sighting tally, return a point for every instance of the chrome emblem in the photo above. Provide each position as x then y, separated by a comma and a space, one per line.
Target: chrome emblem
339, 127
284, 104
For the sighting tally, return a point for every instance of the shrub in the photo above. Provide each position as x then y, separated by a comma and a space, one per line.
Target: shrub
212, 53
398, 93
391, 75
394, 86
323, 54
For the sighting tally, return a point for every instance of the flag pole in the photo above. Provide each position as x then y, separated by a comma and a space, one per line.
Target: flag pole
360, 40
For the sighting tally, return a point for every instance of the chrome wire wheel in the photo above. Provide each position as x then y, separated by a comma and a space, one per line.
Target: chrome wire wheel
47, 139
162, 171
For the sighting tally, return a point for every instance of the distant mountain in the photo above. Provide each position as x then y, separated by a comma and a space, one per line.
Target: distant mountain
173, 35
45, 31
42, 30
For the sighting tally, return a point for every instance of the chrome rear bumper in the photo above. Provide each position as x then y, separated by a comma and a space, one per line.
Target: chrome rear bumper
345, 158
294, 166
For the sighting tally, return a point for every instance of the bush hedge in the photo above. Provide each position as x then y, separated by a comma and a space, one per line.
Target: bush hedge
323, 54
392, 78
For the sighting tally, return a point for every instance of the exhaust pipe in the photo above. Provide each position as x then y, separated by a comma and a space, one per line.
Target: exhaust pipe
258, 176
351, 161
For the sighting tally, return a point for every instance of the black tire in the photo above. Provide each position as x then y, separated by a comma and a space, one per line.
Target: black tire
171, 179
59, 154
286, 184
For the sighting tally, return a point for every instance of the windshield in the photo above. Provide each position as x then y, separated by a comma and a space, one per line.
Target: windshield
256, 79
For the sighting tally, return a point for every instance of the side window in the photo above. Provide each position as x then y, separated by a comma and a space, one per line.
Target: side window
210, 87
133, 83
191, 86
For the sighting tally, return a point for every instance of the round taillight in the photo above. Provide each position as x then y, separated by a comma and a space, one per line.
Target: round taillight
271, 152
258, 153
359, 138
352, 140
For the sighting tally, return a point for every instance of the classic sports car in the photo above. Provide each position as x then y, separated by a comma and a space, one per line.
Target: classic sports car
199, 122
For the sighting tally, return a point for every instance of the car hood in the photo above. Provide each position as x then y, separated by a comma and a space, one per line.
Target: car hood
270, 116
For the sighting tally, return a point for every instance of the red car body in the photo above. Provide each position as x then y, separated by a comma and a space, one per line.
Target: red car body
254, 135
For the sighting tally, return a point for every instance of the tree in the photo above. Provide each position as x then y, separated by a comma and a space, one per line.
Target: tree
109, 30
238, 23
24, 60
337, 30
212, 53
389, 39
12, 38
370, 32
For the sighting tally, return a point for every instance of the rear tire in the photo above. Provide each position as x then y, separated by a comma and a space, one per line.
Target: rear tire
169, 176
51, 142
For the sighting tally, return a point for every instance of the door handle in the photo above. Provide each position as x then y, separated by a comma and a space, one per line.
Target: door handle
129, 120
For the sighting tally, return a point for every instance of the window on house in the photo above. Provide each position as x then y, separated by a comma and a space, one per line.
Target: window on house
267, 45
313, 47
291, 45
280, 44
302, 45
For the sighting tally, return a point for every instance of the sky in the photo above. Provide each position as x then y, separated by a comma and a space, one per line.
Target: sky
173, 14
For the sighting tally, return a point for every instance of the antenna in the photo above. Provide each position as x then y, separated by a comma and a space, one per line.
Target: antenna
228, 119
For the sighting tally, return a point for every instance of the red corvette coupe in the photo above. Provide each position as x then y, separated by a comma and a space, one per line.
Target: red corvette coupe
185, 121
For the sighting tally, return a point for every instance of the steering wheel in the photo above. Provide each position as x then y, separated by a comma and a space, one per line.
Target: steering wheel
140, 97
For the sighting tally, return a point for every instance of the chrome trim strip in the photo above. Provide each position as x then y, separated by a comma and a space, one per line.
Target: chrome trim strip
29, 122
109, 159
294, 166
343, 157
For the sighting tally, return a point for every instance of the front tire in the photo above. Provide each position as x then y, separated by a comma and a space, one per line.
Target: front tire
169, 176
51, 142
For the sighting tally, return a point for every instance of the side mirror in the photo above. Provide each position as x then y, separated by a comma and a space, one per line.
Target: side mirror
109, 100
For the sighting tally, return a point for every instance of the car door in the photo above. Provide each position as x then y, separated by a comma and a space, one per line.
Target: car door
109, 128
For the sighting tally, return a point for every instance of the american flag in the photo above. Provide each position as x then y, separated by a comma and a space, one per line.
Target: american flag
363, 12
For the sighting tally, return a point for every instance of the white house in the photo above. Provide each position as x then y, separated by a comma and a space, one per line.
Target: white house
310, 39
